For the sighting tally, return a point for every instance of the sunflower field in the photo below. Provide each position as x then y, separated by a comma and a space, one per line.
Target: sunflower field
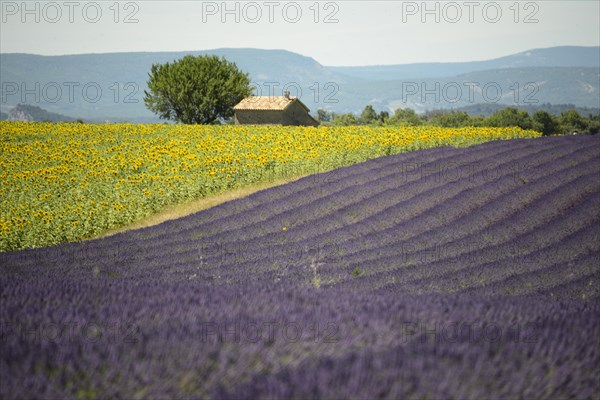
67, 181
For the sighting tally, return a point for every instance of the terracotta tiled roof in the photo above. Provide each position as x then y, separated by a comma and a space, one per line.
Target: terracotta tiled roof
266, 103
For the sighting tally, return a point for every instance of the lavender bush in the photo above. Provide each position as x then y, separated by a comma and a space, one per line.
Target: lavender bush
444, 273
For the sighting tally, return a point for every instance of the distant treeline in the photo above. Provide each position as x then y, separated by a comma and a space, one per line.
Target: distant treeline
567, 122
487, 109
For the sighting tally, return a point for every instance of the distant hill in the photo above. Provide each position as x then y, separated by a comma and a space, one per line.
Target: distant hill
564, 56
514, 87
3, 116
111, 86
25, 112
130, 71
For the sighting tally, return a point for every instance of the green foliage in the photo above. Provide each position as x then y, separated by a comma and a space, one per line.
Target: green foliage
546, 123
196, 90
345, 120
405, 117
324, 116
487, 109
369, 116
384, 116
454, 119
594, 124
510, 117
572, 122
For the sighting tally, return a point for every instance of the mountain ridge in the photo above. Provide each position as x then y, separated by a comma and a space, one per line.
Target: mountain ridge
586, 56
120, 79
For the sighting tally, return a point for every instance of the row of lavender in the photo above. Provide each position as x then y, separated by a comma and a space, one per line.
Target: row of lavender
189, 340
425, 274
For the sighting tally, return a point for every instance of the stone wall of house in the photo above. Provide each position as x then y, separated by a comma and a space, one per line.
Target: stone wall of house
295, 115
258, 117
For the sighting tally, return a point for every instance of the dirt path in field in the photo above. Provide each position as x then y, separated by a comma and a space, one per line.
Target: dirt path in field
181, 210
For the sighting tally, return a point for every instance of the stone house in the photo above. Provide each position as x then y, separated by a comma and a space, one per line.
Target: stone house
273, 110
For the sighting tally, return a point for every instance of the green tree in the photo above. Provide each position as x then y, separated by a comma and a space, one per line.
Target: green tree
324, 116
196, 90
594, 124
405, 117
454, 119
369, 116
510, 117
546, 123
573, 122
384, 116
345, 120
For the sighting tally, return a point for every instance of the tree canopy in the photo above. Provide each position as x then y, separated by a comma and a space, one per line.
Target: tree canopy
196, 89
569, 121
510, 116
405, 117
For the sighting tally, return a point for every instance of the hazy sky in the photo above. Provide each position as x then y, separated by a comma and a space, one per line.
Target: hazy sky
333, 32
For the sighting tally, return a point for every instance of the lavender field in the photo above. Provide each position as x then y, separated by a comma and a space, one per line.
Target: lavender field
443, 273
